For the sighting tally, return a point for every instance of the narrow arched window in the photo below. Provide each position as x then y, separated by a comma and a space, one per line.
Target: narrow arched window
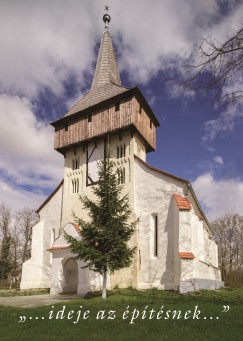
75, 163
118, 176
155, 235
121, 151
123, 172
77, 186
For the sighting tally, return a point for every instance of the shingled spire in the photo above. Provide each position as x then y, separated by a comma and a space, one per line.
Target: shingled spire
106, 71
106, 81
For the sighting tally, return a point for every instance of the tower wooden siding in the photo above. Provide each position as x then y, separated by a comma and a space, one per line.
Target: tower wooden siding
106, 121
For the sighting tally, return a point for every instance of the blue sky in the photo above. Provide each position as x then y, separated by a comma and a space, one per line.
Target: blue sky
47, 60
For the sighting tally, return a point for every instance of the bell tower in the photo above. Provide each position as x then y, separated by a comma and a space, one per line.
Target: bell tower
108, 113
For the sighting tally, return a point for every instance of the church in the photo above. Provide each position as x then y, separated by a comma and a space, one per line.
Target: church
175, 245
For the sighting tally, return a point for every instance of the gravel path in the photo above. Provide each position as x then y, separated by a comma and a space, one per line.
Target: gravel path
35, 300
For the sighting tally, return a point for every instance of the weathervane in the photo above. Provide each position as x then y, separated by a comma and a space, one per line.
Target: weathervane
106, 17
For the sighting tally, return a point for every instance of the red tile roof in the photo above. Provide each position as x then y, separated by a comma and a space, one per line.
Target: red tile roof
186, 255
77, 228
182, 202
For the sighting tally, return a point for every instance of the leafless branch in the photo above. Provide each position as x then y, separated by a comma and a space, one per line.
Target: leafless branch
218, 64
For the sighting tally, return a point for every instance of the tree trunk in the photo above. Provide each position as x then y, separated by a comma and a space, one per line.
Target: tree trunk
104, 283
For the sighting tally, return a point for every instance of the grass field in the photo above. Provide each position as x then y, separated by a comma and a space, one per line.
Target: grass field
176, 322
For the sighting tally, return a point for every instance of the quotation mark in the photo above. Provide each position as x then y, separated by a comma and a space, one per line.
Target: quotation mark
22, 319
225, 308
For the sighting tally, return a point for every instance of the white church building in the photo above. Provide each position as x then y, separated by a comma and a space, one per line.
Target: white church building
175, 245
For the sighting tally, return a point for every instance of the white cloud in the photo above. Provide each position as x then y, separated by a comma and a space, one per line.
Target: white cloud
157, 39
17, 198
218, 160
224, 123
27, 154
229, 23
177, 90
219, 196
43, 43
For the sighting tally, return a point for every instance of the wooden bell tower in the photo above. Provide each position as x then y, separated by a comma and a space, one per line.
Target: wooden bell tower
108, 112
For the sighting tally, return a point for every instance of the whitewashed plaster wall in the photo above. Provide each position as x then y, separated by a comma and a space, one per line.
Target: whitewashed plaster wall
71, 202
203, 247
36, 270
179, 231
177, 259
154, 195
87, 280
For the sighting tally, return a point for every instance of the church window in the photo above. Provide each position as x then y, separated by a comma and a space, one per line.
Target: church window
75, 163
117, 106
140, 109
66, 127
150, 123
155, 216
121, 175
121, 151
75, 184
89, 118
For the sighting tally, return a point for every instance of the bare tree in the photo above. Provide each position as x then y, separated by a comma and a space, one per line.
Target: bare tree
25, 219
5, 221
16, 247
228, 232
218, 65
15, 241
5, 238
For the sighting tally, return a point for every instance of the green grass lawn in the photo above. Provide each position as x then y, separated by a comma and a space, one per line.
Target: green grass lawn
228, 326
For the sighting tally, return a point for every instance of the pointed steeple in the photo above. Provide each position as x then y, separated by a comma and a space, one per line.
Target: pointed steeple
106, 82
106, 71
108, 107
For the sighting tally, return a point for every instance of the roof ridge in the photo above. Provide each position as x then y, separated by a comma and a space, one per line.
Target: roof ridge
49, 197
160, 170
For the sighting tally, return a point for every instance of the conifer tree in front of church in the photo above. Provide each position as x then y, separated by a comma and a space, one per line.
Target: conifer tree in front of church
103, 243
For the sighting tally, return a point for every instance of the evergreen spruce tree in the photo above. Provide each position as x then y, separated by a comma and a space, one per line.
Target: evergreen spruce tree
103, 245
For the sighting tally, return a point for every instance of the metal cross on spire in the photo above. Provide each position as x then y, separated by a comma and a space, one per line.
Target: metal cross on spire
106, 17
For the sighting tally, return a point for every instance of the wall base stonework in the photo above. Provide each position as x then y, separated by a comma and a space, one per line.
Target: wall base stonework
195, 284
